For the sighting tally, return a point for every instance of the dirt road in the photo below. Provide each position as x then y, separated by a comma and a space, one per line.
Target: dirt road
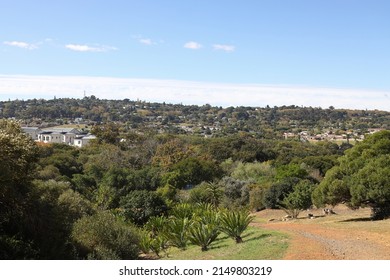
349, 235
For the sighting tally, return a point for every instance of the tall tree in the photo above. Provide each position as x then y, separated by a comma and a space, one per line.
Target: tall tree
362, 178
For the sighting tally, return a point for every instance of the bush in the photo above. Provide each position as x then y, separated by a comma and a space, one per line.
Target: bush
102, 236
139, 206
299, 199
278, 191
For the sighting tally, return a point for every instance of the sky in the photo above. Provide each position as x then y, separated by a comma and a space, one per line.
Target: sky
230, 52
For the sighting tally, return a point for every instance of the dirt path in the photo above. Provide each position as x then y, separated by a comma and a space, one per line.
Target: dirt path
349, 235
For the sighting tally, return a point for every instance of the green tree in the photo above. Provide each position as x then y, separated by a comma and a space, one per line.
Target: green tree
299, 199
18, 157
362, 177
138, 206
107, 133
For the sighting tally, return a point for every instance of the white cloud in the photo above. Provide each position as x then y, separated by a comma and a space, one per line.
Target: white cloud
193, 45
148, 42
86, 48
22, 45
186, 92
226, 48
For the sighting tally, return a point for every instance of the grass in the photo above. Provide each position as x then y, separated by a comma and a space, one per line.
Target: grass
258, 244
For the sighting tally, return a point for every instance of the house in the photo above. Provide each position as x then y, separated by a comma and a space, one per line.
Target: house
32, 131
81, 141
58, 135
69, 136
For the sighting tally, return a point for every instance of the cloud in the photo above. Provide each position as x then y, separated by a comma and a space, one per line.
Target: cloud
226, 48
191, 93
193, 45
22, 45
148, 42
86, 48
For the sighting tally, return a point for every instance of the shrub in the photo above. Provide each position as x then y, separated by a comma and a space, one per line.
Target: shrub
234, 223
205, 229
140, 206
102, 236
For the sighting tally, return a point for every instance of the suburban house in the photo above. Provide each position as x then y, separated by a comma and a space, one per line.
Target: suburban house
32, 131
70, 136
81, 141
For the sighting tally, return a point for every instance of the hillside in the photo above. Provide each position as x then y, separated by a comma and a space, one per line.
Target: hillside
206, 120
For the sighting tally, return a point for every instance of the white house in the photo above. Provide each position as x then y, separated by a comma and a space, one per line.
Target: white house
70, 136
81, 141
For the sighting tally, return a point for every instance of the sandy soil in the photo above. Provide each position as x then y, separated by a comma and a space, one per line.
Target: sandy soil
349, 234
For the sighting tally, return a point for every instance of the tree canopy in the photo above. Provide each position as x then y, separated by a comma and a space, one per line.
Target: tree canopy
362, 178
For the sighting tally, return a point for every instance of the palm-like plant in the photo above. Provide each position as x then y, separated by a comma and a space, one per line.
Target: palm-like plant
183, 210
235, 223
176, 232
156, 225
205, 229
215, 193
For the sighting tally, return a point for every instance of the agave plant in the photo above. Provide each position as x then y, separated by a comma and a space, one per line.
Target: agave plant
183, 210
144, 242
158, 244
235, 223
176, 232
153, 238
205, 229
156, 225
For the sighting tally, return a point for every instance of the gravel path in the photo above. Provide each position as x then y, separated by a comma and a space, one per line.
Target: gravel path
333, 240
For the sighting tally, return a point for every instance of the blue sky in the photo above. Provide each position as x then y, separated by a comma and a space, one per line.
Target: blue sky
302, 44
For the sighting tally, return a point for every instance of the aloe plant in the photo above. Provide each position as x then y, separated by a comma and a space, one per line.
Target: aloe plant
176, 232
205, 229
183, 210
235, 223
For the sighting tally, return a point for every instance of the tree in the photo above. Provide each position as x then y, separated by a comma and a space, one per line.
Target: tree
138, 206
278, 191
190, 172
18, 157
362, 177
107, 133
299, 199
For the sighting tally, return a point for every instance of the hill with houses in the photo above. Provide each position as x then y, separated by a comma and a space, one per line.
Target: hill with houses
304, 123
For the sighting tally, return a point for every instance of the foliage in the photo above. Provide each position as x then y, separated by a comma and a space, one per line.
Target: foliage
234, 223
256, 197
260, 172
18, 157
182, 211
204, 230
299, 199
362, 177
259, 244
236, 192
139, 206
176, 232
278, 191
189, 172
107, 133
103, 236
